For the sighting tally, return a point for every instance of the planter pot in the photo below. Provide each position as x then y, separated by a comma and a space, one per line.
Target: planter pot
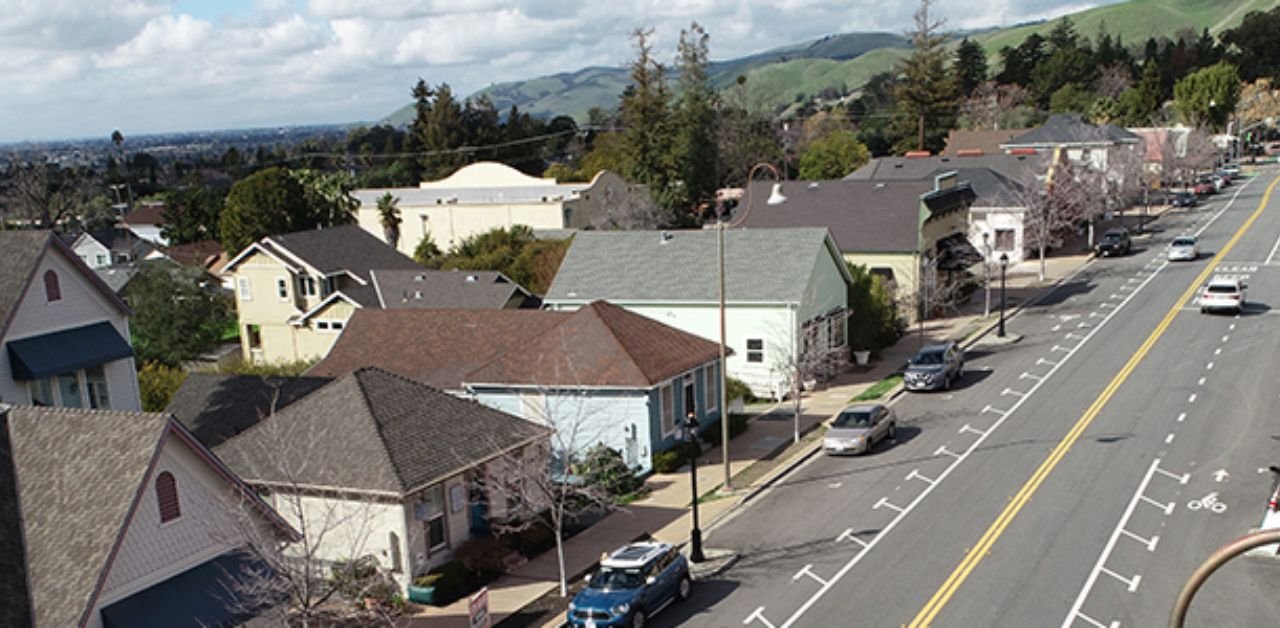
422, 595
861, 357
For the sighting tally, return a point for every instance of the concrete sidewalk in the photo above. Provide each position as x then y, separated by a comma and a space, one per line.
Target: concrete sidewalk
756, 458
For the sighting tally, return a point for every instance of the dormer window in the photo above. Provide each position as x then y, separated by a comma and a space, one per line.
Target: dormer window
167, 497
52, 290
307, 286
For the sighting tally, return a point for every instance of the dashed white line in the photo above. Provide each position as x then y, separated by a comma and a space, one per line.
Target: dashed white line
1192, 398
1226, 338
1217, 351
1182, 417
1200, 382
1209, 366
1168, 439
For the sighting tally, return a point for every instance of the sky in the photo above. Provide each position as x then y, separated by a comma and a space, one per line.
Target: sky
81, 68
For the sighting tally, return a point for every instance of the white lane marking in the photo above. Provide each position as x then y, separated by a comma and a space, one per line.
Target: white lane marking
1231, 327
1150, 543
1200, 382
1226, 338
758, 614
1042, 361
1026, 375
1067, 349
1055, 328
1217, 351
1192, 398
847, 535
1168, 439
1111, 543
1073, 336
995, 410
804, 571
1182, 417
1224, 207
884, 501
960, 458
1272, 255
915, 475
1208, 502
969, 428
1083, 325
1167, 507
1132, 584
1010, 391
1209, 366
1114, 624
835, 485
1182, 479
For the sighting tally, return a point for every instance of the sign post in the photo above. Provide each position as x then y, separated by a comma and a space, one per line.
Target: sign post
478, 609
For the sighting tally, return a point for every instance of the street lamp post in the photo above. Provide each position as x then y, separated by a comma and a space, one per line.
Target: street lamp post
1004, 265
695, 535
986, 273
775, 198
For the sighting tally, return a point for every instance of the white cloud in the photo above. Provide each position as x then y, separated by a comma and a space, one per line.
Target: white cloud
75, 67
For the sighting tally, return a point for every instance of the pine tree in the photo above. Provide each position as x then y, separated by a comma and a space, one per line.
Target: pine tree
928, 97
646, 119
442, 134
695, 154
970, 66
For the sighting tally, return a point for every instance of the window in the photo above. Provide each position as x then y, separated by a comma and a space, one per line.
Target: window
836, 329
755, 350
330, 325
393, 546
436, 537
328, 286
254, 334
307, 286
668, 410
282, 288
95, 385
167, 497
246, 290
101, 259
1004, 240
42, 392
68, 385
710, 388
52, 291
690, 404
72, 390
322, 325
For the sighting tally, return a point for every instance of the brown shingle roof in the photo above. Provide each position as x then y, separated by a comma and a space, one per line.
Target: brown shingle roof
986, 140
146, 214
600, 345
203, 253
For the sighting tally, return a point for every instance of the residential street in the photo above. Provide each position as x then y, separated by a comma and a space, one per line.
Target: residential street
1093, 464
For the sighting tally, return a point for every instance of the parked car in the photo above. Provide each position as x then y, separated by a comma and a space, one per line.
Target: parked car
1223, 293
1115, 242
633, 583
1184, 199
1231, 170
1213, 180
934, 367
1205, 188
1184, 247
858, 428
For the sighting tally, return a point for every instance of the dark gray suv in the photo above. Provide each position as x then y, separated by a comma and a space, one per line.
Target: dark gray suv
935, 367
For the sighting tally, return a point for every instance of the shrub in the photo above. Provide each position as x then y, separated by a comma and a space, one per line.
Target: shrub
737, 425
361, 578
483, 555
533, 540
737, 389
605, 468
672, 459
157, 383
452, 581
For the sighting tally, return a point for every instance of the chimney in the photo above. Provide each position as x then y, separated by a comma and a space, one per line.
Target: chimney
969, 152
917, 154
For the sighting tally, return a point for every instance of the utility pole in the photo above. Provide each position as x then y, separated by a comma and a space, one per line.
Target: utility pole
921, 142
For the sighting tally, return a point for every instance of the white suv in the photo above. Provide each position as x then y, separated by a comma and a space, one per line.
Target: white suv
1223, 293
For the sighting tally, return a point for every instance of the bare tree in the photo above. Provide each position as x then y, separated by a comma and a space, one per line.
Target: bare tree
1114, 80
1056, 207
631, 212
1125, 177
45, 195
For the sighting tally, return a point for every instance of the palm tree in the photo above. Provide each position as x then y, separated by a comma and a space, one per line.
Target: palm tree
389, 214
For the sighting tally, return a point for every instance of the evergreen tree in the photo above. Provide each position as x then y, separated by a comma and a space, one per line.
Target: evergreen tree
1255, 47
694, 153
1139, 105
1063, 36
646, 118
1019, 62
441, 134
928, 98
970, 66
1208, 96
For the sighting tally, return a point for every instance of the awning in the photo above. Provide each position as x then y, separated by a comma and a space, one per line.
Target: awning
203, 596
66, 351
955, 252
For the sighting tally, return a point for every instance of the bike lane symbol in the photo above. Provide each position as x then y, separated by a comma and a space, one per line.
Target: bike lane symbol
1208, 502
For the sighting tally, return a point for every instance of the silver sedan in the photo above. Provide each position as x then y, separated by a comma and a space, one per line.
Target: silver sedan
858, 428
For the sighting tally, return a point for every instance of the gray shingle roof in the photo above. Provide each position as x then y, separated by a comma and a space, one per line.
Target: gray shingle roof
77, 474
347, 247
216, 407
450, 289
376, 432
21, 252
864, 216
1071, 128
995, 179
762, 266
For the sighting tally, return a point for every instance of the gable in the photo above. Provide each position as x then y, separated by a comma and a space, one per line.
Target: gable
84, 300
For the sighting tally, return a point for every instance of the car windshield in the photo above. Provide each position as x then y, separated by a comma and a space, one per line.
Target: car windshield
928, 358
1184, 242
1223, 289
613, 578
853, 418
1114, 236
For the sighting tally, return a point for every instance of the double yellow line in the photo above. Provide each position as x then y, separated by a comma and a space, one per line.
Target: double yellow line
971, 560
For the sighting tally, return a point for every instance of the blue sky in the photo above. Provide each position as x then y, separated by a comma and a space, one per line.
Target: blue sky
80, 68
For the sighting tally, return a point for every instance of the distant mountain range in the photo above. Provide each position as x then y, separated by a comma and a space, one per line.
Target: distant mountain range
845, 62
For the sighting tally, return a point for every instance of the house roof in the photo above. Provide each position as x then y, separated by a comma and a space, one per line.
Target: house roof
376, 432
1071, 128
22, 253
986, 141
437, 347
116, 277
449, 289
119, 239
343, 248
764, 265
77, 476
995, 179
203, 254
864, 216
216, 407
599, 345
146, 214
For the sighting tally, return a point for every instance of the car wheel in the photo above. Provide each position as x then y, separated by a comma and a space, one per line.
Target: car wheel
685, 588
960, 372
893, 432
638, 620
946, 382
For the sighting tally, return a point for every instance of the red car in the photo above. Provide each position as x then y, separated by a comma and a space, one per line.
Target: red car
1204, 188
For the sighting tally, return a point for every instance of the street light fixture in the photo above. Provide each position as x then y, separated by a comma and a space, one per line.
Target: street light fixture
695, 535
1004, 265
775, 198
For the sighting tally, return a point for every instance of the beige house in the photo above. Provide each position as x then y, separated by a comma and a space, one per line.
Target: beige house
912, 233
488, 195
295, 292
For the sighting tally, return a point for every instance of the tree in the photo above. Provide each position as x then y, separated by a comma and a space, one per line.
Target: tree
427, 253
646, 118
1140, 104
192, 214
514, 252
694, 150
156, 385
46, 195
438, 130
927, 94
1062, 68
1071, 98
1057, 206
268, 202
328, 194
178, 313
833, 156
389, 217
1254, 47
873, 316
1019, 62
1207, 97
970, 66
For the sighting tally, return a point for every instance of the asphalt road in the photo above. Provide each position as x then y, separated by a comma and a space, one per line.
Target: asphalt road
1075, 478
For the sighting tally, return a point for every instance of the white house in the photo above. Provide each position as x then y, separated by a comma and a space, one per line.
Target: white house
110, 247
786, 290
114, 518
489, 195
65, 333
147, 222
1080, 141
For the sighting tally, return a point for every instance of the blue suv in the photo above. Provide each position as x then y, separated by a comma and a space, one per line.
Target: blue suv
633, 583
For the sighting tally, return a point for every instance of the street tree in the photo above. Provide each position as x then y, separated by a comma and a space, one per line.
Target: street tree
833, 156
927, 94
646, 117
178, 313
970, 66
694, 150
1208, 97
1057, 207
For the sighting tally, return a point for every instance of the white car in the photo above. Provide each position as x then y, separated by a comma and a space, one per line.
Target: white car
1184, 247
1223, 293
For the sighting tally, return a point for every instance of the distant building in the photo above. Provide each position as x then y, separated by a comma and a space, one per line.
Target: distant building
111, 247
147, 221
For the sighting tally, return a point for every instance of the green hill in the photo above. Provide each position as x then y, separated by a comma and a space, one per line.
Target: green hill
845, 62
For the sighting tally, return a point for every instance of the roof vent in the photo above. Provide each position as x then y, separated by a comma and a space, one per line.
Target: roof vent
419, 278
880, 185
417, 294
813, 185
666, 237
471, 278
